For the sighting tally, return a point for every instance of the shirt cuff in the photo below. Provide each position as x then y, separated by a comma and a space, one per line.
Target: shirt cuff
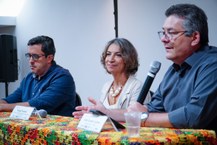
178, 118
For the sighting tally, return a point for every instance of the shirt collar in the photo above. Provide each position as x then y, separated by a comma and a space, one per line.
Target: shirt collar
190, 61
181, 69
193, 59
49, 70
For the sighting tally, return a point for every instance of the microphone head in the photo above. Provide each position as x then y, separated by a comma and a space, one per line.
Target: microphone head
42, 113
155, 67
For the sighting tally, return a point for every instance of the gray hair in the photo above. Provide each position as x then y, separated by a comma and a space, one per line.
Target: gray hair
194, 18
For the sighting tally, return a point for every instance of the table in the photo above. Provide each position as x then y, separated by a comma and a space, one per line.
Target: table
59, 130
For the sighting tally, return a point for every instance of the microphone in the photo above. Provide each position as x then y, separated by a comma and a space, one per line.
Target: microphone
155, 67
41, 113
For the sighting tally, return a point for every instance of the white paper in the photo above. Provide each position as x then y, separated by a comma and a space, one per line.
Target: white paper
92, 122
21, 112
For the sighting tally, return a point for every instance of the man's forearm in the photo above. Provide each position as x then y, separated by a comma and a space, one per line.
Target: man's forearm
9, 107
158, 120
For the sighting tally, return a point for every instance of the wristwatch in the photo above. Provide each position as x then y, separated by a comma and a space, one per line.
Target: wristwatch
144, 117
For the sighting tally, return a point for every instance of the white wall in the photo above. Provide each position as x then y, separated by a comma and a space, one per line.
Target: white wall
81, 28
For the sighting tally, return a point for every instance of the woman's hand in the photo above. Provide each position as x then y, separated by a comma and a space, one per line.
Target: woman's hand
80, 111
84, 109
96, 105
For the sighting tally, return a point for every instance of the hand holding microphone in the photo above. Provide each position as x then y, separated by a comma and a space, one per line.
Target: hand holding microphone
155, 67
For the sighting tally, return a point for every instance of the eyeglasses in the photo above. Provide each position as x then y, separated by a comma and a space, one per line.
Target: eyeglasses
170, 35
33, 56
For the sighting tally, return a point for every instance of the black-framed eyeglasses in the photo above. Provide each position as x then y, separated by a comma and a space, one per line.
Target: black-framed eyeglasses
33, 56
170, 35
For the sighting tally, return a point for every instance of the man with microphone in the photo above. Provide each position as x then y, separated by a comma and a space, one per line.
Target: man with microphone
187, 95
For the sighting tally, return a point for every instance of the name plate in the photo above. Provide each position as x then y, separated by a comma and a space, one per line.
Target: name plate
92, 122
21, 112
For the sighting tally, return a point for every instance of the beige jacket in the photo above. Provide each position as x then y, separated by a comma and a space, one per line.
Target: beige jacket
128, 95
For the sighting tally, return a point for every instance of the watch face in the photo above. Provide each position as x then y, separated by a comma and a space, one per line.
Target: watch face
144, 115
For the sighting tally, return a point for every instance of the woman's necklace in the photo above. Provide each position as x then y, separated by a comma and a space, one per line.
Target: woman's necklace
114, 93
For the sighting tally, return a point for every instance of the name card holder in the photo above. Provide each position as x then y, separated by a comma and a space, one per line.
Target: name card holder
95, 121
21, 112
92, 122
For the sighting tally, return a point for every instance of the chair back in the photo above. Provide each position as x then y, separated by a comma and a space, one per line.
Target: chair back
78, 100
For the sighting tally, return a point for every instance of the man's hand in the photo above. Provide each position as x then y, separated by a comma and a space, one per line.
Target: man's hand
3, 102
137, 107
